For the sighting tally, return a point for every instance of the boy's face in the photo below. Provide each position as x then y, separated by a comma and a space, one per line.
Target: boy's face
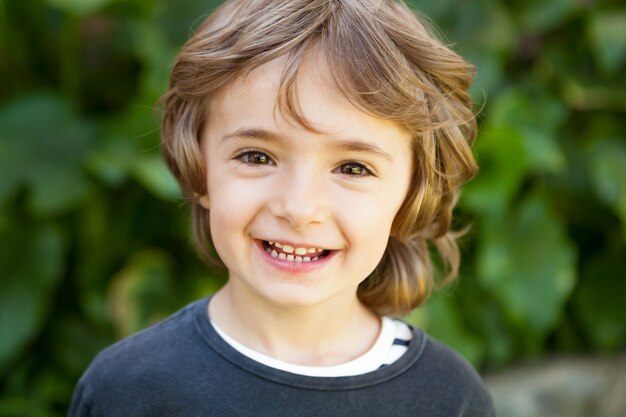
300, 218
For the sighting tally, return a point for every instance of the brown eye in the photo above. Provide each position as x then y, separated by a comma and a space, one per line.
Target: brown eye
354, 168
255, 158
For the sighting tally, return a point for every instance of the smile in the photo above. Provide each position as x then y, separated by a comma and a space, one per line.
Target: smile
290, 253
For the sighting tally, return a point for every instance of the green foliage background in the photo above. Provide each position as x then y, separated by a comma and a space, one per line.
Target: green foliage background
94, 235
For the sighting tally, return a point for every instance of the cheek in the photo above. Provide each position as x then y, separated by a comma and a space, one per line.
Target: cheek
221, 229
368, 240
369, 224
228, 213
371, 219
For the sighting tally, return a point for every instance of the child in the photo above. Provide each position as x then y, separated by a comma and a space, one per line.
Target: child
321, 145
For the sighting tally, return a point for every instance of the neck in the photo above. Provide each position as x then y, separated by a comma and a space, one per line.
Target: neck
324, 334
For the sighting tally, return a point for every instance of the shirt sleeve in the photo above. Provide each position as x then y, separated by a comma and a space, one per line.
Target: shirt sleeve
79, 406
481, 405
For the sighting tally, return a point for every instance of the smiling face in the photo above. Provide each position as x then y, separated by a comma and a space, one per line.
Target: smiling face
299, 217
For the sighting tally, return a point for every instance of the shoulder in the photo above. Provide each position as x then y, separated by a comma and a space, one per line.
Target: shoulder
445, 375
147, 360
447, 363
154, 343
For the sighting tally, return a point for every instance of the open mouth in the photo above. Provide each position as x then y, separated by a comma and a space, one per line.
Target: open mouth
294, 254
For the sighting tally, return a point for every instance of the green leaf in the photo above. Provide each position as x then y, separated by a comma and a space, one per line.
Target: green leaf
113, 159
502, 160
31, 262
138, 294
539, 15
79, 7
42, 142
178, 19
537, 119
517, 139
441, 318
156, 54
599, 298
127, 148
608, 171
527, 262
607, 31
488, 76
152, 172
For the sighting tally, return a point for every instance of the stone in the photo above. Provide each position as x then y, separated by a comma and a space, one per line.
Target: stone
564, 387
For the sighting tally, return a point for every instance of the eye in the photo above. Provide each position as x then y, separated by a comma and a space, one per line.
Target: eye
356, 169
254, 157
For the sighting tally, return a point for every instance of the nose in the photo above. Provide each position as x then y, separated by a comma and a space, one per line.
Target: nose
301, 198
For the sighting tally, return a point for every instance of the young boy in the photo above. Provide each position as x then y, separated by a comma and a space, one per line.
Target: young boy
321, 145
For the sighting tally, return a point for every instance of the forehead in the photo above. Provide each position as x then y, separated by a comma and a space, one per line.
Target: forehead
272, 96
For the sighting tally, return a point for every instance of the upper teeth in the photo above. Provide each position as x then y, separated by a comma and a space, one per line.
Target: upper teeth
298, 251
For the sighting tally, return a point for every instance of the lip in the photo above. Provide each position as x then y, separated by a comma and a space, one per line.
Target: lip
293, 267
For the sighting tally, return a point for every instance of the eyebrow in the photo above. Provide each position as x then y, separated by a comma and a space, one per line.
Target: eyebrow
349, 145
254, 133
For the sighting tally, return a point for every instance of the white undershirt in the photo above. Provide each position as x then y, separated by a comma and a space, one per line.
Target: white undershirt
383, 352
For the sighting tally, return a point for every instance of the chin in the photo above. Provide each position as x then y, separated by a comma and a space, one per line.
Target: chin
292, 296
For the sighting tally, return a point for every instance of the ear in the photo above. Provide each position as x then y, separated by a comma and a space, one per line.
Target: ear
204, 201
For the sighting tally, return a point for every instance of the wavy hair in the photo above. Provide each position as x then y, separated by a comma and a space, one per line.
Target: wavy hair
387, 63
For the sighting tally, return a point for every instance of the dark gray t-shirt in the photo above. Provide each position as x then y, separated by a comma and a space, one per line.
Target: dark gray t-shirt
181, 367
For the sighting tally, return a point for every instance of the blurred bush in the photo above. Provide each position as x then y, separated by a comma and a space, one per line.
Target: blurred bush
94, 234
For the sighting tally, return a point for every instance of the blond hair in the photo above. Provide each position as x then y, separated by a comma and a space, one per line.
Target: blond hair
387, 63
